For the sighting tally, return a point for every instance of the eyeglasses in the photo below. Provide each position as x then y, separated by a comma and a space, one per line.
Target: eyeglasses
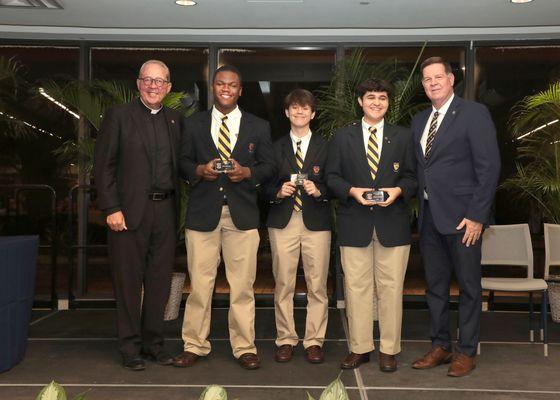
158, 81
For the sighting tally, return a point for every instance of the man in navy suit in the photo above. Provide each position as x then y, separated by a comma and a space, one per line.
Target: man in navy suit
458, 165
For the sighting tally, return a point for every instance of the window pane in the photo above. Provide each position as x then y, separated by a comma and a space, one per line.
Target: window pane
407, 56
188, 67
270, 74
503, 76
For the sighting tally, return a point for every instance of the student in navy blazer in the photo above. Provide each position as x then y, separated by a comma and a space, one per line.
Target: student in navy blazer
299, 223
374, 237
458, 166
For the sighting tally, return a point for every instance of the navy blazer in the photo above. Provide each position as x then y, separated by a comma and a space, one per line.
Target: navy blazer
462, 172
316, 211
347, 167
253, 149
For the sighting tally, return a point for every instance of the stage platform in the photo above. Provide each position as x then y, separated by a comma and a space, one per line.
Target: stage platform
77, 348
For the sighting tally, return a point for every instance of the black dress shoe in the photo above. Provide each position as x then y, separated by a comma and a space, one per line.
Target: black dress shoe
354, 360
161, 358
134, 363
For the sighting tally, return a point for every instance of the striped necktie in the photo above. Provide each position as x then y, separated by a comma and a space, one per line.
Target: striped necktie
298, 203
224, 144
373, 152
431, 135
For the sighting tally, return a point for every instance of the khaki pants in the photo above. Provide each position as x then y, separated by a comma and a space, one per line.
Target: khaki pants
387, 266
286, 245
239, 249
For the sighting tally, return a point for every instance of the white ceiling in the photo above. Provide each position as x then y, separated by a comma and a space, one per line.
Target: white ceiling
285, 20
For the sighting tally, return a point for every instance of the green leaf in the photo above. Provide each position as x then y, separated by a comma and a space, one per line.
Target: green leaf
335, 391
53, 391
81, 396
214, 392
309, 397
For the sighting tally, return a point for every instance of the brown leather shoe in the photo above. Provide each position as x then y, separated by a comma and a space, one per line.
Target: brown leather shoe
436, 356
249, 361
461, 365
387, 362
354, 360
284, 353
315, 354
185, 359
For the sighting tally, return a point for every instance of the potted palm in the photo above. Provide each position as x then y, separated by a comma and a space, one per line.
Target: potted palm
535, 126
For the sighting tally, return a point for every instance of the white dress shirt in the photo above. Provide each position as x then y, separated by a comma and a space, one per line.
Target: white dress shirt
442, 111
379, 134
233, 121
304, 143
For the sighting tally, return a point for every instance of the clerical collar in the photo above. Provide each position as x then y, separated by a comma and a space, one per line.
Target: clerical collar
151, 110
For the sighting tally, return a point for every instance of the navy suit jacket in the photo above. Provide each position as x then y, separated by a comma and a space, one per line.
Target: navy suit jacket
462, 172
347, 167
253, 149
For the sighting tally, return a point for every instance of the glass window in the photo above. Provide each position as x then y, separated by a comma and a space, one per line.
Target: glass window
188, 67
407, 56
503, 76
269, 74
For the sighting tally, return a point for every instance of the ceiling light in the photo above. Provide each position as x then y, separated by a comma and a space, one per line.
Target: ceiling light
520, 1
185, 2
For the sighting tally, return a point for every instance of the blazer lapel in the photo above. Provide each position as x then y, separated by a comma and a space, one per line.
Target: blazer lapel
244, 129
357, 143
288, 152
441, 134
311, 152
206, 131
418, 136
387, 150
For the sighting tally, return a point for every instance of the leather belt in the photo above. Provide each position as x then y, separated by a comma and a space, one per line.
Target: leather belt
159, 196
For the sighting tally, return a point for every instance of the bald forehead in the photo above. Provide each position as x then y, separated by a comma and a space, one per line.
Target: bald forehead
157, 64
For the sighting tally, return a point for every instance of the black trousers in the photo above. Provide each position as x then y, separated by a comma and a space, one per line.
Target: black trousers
443, 255
140, 258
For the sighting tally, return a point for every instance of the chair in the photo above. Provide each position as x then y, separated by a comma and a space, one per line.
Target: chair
551, 253
510, 245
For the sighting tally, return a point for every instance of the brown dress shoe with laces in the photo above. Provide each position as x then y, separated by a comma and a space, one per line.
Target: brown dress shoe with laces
436, 356
461, 365
185, 359
249, 361
315, 354
387, 362
354, 360
284, 353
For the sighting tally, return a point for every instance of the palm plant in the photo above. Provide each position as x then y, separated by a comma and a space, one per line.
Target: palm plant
534, 124
91, 100
337, 105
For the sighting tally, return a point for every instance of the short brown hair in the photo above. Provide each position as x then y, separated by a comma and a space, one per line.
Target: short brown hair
374, 85
300, 97
436, 60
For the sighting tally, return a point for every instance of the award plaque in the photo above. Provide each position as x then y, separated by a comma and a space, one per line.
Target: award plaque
377, 196
223, 166
298, 179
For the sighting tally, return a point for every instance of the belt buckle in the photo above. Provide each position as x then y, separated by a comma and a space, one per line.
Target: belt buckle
159, 196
